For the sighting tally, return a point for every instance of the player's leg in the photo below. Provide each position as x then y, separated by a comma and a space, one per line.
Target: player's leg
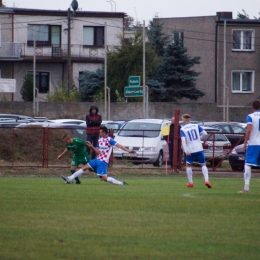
79, 172
102, 173
74, 164
202, 161
189, 161
252, 158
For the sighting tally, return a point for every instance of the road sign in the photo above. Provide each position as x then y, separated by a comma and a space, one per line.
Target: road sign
134, 81
133, 91
7, 85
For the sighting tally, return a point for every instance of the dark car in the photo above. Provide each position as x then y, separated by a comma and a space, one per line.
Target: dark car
116, 125
237, 158
233, 131
14, 116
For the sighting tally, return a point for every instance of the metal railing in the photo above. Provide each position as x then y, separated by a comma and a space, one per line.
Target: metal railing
10, 50
40, 146
61, 51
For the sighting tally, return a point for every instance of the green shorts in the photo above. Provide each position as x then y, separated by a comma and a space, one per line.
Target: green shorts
76, 161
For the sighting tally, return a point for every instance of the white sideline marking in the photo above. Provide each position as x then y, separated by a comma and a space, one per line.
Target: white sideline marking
188, 195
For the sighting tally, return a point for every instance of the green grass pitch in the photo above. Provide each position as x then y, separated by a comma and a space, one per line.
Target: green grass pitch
151, 218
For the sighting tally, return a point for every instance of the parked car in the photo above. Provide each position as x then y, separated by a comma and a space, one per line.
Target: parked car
233, 131
215, 146
76, 130
14, 123
143, 136
115, 125
14, 116
67, 121
237, 158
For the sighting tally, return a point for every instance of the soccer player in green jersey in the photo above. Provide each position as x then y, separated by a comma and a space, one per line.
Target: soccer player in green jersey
81, 156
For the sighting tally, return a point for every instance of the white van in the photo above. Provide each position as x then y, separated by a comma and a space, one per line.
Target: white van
143, 136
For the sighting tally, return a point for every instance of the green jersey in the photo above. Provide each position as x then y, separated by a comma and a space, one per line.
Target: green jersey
78, 147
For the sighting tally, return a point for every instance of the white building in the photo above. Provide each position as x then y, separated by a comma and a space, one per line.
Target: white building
20, 27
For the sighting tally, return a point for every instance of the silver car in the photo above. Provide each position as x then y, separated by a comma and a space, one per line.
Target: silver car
145, 137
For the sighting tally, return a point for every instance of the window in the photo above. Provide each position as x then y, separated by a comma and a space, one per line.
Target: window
45, 35
178, 35
93, 36
243, 40
242, 81
42, 81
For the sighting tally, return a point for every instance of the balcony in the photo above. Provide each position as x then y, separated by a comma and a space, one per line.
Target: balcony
60, 52
10, 51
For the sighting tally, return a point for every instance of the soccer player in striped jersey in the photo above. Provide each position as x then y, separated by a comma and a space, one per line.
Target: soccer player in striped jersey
81, 156
190, 137
99, 164
252, 143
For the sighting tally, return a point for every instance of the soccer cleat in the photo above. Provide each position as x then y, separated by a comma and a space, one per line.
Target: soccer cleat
124, 183
208, 184
66, 179
190, 185
78, 182
243, 191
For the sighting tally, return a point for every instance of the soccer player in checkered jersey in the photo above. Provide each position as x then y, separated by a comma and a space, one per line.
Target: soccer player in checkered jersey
252, 143
191, 144
99, 164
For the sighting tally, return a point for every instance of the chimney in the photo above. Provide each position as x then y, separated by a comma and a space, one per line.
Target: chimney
224, 15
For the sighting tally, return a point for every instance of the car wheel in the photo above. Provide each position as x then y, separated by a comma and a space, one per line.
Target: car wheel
215, 163
159, 161
237, 168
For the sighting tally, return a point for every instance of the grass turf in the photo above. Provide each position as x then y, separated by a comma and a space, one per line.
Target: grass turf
152, 218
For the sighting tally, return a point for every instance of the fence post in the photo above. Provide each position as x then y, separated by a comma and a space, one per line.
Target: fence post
176, 144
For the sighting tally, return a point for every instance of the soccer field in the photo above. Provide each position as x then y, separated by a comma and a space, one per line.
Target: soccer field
151, 218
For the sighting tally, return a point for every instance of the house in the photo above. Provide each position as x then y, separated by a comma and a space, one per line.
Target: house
230, 53
48, 29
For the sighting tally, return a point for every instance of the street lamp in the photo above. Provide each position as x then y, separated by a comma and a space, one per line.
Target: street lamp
112, 1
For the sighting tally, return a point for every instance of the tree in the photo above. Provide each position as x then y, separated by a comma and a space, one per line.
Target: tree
245, 16
157, 38
91, 83
127, 60
128, 21
174, 79
27, 88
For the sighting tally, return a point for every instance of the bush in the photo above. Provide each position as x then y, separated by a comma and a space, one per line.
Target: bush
27, 88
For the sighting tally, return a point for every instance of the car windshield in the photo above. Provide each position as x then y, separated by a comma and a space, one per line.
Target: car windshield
139, 129
218, 137
114, 126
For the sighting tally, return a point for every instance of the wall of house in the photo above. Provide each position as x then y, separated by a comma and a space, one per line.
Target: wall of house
125, 111
199, 38
21, 68
6, 27
237, 60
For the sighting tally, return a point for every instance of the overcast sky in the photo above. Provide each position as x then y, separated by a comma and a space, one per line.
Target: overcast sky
146, 10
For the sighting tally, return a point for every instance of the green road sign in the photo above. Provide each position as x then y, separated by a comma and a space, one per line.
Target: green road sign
133, 91
134, 81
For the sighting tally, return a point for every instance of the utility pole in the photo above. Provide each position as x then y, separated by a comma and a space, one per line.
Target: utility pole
224, 74
105, 83
69, 87
144, 88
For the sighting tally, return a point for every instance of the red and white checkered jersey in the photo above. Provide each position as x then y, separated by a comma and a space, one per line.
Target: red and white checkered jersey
105, 147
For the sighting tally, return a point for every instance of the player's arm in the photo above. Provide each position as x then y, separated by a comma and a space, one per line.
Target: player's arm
60, 156
90, 145
124, 148
183, 143
248, 133
202, 132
